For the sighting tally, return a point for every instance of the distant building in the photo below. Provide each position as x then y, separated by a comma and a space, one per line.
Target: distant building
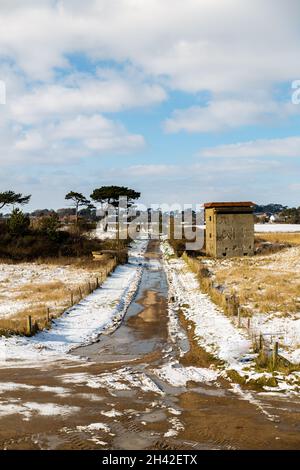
229, 229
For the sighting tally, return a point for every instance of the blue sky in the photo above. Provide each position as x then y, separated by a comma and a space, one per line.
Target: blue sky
184, 101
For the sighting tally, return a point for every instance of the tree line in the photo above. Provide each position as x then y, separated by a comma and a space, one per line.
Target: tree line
103, 195
20, 239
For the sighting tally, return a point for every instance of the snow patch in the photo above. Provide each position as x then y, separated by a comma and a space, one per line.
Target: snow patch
122, 379
178, 376
94, 427
277, 228
83, 323
214, 331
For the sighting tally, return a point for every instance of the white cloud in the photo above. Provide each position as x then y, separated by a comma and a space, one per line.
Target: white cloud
194, 45
108, 91
67, 141
285, 147
151, 170
237, 51
295, 187
47, 126
222, 114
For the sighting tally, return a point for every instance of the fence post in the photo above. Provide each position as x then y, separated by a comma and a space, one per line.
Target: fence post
90, 287
48, 314
80, 293
239, 317
260, 341
275, 354
97, 282
72, 299
248, 323
29, 325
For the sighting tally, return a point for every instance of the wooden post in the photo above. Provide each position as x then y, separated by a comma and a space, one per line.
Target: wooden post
72, 299
248, 323
80, 293
239, 317
275, 354
97, 282
261, 342
29, 325
90, 287
48, 314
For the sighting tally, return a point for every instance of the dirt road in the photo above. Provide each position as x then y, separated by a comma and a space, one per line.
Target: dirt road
130, 390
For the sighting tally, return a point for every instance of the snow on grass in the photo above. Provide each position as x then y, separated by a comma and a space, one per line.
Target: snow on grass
14, 278
83, 323
276, 228
218, 335
285, 329
214, 331
178, 376
269, 288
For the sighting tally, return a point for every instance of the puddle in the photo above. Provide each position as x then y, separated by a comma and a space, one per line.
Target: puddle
143, 329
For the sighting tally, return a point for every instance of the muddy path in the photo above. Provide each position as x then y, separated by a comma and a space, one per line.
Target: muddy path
137, 388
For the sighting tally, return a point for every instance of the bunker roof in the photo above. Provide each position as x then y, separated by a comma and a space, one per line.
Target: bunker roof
210, 205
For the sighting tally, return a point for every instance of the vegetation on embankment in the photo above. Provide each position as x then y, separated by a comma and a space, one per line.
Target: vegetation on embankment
36, 302
259, 293
19, 241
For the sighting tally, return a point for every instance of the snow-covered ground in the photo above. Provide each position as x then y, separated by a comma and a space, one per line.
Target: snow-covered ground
282, 324
15, 277
83, 323
214, 331
277, 228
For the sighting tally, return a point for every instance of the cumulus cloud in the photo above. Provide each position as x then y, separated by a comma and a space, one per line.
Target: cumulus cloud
222, 114
67, 141
107, 91
60, 122
195, 45
285, 147
136, 54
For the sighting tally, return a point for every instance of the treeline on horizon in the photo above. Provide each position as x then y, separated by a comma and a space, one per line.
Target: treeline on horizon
21, 238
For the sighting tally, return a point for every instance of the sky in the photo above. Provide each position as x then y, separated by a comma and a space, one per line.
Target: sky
185, 101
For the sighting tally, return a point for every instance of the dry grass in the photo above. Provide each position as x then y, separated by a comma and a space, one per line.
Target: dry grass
266, 291
261, 284
48, 300
54, 291
227, 301
289, 238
